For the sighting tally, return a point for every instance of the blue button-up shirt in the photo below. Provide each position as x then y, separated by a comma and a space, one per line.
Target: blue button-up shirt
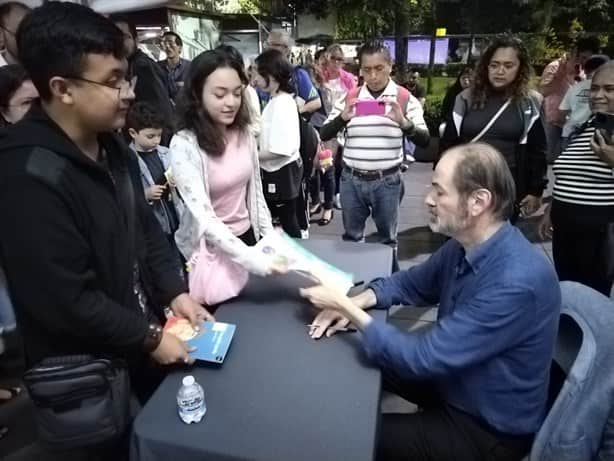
490, 351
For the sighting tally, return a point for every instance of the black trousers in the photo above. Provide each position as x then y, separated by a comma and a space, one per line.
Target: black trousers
286, 212
302, 207
579, 249
440, 432
338, 165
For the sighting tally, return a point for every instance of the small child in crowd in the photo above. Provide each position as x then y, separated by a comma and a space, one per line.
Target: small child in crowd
17, 93
145, 126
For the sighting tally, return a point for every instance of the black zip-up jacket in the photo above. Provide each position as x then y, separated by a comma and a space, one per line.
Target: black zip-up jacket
151, 84
66, 248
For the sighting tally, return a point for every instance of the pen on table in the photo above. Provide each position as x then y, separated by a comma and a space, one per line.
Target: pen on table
334, 328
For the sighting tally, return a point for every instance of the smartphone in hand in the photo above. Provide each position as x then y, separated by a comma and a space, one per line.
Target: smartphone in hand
370, 107
604, 122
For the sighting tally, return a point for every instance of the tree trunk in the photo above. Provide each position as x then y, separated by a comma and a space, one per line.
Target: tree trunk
401, 31
547, 8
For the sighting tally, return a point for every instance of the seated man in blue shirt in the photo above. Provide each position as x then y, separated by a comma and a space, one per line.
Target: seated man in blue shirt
480, 374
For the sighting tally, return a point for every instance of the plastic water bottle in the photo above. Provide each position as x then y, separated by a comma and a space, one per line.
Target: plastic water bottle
191, 401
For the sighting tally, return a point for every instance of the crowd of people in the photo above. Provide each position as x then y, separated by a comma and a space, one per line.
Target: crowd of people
119, 172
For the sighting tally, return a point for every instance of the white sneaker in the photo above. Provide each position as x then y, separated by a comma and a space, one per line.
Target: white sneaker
304, 234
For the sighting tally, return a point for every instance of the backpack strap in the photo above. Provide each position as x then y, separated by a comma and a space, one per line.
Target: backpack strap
403, 96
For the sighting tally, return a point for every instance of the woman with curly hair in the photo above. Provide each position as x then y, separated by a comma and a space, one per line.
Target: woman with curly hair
214, 160
501, 110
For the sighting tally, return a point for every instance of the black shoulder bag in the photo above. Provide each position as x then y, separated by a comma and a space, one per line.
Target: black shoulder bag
80, 400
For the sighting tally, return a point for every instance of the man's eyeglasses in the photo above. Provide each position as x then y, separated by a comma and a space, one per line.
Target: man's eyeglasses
127, 86
276, 46
336, 58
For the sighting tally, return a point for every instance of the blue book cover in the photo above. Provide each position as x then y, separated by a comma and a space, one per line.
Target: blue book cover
212, 341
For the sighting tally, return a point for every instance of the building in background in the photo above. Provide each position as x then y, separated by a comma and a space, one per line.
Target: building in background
198, 22
202, 24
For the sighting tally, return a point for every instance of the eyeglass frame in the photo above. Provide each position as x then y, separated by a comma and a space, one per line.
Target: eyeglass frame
131, 84
6, 29
276, 46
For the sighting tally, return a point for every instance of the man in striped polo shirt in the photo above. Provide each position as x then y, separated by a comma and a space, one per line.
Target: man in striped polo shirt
373, 152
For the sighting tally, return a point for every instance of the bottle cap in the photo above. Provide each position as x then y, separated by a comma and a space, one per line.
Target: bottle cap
188, 380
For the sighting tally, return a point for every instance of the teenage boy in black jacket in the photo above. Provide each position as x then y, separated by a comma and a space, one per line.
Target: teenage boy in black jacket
87, 264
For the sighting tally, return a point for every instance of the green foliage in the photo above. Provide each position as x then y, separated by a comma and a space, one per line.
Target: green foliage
360, 24
249, 6
441, 84
544, 48
432, 112
576, 29
362, 19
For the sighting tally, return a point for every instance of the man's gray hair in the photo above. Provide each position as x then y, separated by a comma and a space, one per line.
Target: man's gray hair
481, 166
283, 36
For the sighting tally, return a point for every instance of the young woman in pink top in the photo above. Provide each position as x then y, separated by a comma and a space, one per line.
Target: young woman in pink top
214, 161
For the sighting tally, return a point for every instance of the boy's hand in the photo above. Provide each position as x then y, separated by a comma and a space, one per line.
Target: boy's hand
154, 193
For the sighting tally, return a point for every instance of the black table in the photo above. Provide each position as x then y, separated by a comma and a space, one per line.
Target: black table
280, 395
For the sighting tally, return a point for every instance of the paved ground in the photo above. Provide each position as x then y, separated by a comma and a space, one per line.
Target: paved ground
416, 243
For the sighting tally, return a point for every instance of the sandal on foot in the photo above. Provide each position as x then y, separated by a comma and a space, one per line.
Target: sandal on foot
326, 221
315, 210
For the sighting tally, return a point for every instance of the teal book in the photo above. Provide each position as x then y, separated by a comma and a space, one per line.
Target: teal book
211, 341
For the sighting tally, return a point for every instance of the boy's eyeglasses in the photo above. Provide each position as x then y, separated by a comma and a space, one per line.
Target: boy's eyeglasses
8, 30
127, 86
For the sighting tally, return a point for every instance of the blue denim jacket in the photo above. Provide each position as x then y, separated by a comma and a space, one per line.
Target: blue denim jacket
580, 425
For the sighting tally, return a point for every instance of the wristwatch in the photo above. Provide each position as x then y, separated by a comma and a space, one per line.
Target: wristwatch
153, 337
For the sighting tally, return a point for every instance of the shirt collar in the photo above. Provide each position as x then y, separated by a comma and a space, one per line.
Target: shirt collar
476, 257
389, 91
179, 65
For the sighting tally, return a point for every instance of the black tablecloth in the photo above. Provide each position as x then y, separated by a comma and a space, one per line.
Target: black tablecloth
279, 396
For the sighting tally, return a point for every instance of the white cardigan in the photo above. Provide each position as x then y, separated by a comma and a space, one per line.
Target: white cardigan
198, 220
